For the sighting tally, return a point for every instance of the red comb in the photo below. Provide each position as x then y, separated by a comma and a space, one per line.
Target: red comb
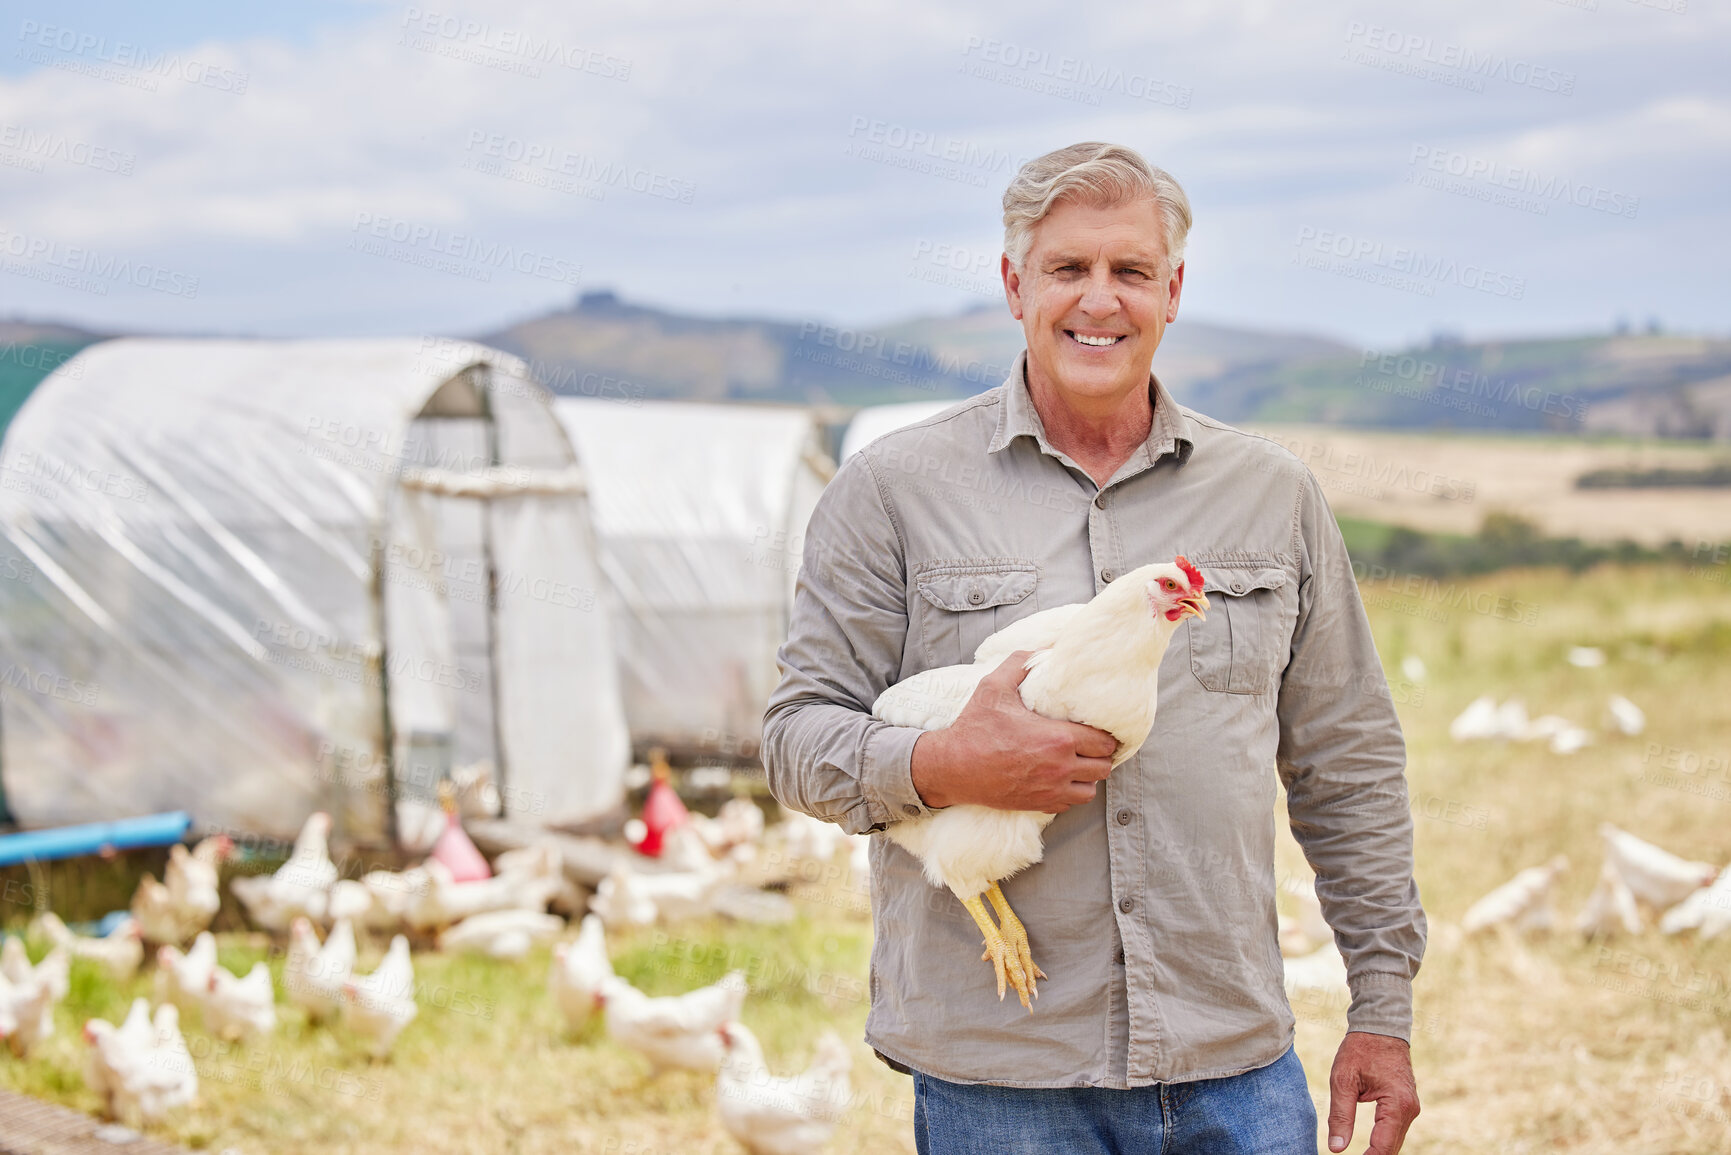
1191, 571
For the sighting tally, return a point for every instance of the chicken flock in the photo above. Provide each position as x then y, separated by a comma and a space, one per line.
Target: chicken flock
141, 1068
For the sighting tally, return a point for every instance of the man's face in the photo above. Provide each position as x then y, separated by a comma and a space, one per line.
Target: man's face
1092, 297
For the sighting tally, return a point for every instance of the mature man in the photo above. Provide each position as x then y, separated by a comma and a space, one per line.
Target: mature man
1164, 1025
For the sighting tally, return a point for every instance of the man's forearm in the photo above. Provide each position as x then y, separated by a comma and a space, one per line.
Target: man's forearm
839, 764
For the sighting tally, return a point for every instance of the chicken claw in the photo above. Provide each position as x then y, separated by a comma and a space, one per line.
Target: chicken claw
1006, 963
1017, 936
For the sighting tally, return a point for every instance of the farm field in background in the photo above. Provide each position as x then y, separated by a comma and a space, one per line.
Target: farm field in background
1441, 483
1540, 1045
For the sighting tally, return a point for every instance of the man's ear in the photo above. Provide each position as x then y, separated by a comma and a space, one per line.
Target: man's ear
1176, 287
1012, 287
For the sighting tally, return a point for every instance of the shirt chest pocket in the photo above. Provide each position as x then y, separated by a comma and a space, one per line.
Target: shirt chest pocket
961, 604
1242, 647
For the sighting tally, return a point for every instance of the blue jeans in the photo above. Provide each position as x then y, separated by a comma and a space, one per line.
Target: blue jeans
1262, 1112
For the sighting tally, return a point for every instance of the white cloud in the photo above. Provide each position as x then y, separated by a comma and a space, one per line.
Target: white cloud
752, 110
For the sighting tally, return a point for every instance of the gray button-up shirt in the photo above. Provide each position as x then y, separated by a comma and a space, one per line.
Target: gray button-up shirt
1153, 910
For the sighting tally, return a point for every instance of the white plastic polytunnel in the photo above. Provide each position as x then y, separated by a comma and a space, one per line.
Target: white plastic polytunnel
874, 421
250, 579
700, 511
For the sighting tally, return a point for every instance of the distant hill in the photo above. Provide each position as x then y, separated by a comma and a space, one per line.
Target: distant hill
603, 344
1639, 385
1644, 386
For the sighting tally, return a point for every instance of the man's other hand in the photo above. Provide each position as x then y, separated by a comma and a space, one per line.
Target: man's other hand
1000, 753
1372, 1067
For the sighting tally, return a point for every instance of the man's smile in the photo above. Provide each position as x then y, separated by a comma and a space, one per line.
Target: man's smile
1096, 342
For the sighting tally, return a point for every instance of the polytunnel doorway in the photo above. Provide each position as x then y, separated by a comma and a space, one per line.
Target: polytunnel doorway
482, 633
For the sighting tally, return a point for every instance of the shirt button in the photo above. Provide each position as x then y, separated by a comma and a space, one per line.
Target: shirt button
976, 598
1100, 500
1126, 905
1237, 587
1123, 818
911, 810
1106, 576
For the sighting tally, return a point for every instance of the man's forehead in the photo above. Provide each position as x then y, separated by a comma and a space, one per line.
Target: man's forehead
1131, 230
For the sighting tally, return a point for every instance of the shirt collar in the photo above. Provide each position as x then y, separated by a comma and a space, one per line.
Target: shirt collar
1169, 432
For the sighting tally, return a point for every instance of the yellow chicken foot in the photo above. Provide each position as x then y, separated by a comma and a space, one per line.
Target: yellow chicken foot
1017, 936
1005, 963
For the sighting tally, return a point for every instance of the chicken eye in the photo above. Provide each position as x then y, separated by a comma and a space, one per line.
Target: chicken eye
1170, 584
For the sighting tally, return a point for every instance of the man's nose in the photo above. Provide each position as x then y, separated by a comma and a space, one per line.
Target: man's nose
1100, 298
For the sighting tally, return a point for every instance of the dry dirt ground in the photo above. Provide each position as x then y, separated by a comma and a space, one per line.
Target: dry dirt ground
1443, 483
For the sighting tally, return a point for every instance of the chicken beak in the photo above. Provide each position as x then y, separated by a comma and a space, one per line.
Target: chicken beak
1195, 605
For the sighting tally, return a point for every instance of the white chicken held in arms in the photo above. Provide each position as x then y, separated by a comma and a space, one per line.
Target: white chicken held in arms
1096, 663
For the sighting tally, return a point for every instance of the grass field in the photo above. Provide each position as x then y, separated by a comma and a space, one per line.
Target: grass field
1546, 1045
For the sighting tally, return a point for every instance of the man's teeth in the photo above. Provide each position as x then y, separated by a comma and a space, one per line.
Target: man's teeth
1096, 340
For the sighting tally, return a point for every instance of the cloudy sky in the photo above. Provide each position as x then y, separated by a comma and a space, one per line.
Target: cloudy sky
1372, 171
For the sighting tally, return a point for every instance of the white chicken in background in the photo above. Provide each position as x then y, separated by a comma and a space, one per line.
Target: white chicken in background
240, 1009
378, 1006
314, 972
1322, 970
1563, 735
183, 979
55, 968
140, 1070
350, 900
541, 866
675, 1032
187, 898
506, 934
627, 898
579, 971
28, 994
527, 881
1626, 717
1477, 721
620, 903
393, 893
1096, 663
1610, 907
119, 952
807, 839
1655, 876
772, 1116
300, 887
113, 1047
734, 832
1307, 930
1522, 904
1707, 911
684, 851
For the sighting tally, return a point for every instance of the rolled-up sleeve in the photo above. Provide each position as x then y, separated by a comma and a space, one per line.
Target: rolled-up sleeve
1342, 759
824, 753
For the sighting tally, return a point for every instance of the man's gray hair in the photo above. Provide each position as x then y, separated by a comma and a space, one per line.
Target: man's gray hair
1094, 174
